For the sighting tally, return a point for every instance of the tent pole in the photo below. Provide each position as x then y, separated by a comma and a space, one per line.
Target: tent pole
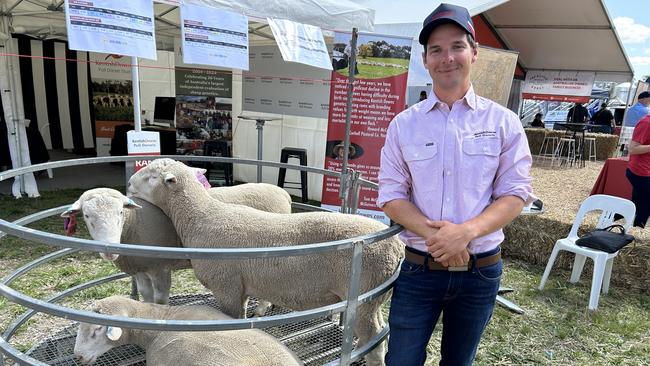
343, 190
135, 77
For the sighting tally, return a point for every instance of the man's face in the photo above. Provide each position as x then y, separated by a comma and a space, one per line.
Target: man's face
448, 57
645, 101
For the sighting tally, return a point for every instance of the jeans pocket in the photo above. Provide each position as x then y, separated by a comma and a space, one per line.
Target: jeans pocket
410, 267
491, 273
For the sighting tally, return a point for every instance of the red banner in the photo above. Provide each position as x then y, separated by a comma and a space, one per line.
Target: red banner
375, 101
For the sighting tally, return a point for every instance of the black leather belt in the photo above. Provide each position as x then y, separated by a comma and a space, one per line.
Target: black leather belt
419, 258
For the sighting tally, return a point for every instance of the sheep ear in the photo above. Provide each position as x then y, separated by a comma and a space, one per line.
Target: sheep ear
113, 333
74, 209
170, 178
129, 203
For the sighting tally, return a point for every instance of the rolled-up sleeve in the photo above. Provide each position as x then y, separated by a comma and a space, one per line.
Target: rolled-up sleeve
394, 176
513, 175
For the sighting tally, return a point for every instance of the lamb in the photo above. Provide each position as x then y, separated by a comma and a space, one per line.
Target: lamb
106, 219
250, 347
297, 282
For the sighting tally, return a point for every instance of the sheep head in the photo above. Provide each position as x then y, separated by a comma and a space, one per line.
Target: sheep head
103, 212
93, 340
161, 179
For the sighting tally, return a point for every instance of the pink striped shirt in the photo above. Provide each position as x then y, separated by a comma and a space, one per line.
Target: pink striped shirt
453, 163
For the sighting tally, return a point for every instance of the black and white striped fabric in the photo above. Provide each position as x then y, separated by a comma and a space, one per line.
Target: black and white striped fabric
56, 93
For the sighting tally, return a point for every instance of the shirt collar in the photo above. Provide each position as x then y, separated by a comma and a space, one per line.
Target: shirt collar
469, 98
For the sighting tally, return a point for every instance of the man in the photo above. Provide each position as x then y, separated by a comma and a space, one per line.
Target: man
638, 111
577, 114
454, 170
605, 119
638, 171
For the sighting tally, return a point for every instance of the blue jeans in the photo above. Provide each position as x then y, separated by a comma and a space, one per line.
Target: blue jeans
420, 295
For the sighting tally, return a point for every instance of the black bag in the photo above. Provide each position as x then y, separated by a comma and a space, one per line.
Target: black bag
605, 239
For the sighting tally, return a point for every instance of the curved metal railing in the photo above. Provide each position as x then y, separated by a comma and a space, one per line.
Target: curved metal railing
72, 245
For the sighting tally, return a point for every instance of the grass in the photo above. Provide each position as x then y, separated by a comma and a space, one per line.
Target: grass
556, 329
370, 71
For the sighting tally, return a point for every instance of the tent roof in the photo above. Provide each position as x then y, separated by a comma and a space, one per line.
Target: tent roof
550, 35
45, 19
562, 35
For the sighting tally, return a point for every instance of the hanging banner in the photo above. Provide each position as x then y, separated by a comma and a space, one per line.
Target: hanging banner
564, 86
112, 95
214, 37
492, 73
302, 43
293, 89
379, 95
119, 27
169, 2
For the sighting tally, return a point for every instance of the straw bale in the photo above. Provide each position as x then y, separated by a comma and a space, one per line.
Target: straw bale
531, 238
605, 144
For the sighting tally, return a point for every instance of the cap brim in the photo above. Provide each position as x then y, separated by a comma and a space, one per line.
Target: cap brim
426, 31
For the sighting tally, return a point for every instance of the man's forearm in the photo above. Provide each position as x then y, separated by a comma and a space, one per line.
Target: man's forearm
497, 215
408, 215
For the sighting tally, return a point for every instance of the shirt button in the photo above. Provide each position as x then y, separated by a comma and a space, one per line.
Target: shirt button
448, 172
447, 199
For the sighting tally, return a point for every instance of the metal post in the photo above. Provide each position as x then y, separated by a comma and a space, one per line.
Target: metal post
355, 188
259, 124
343, 190
135, 77
350, 314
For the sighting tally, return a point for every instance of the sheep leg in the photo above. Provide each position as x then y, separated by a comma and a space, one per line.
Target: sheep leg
144, 286
232, 301
162, 283
368, 325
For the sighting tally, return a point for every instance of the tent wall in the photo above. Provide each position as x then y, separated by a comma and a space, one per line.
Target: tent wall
56, 93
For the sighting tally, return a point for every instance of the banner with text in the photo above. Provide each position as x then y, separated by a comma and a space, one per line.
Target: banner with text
124, 27
292, 89
302, 43
565, 86
112, 93
379, 95
214, 37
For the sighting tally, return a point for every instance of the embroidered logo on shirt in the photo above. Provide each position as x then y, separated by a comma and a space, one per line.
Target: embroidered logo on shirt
484, 134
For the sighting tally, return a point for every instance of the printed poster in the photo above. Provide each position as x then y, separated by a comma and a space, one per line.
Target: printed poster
214, 37
293, 89
302, 43
117, 27
112, 95
564, 86
379, 95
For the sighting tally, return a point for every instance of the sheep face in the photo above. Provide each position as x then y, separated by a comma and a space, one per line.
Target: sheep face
161, 176
94, 340
103, 213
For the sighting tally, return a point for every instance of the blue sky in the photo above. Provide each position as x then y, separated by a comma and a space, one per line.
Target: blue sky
631, 18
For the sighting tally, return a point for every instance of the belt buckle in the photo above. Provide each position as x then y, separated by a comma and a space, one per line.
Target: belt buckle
464, 268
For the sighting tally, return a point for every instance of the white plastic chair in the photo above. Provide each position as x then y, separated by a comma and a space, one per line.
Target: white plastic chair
603, 261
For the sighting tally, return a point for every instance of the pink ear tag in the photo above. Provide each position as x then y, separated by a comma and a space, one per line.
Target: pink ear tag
201, 178
70, 224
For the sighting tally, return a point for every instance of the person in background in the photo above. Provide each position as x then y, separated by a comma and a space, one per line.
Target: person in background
537, 122
577, 114
638, 111
423, 96
638, 170
605, 119
454, 171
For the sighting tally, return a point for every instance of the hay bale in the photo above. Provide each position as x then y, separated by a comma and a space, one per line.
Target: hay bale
605, 144
531, 238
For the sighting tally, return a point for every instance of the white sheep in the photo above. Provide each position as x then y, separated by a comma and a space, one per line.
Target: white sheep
250, 347
107, 220
296, 282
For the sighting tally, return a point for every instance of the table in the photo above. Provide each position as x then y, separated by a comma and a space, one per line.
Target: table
612, 179
259, 124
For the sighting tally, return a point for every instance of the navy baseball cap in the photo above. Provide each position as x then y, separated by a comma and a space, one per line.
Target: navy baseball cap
446, 13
